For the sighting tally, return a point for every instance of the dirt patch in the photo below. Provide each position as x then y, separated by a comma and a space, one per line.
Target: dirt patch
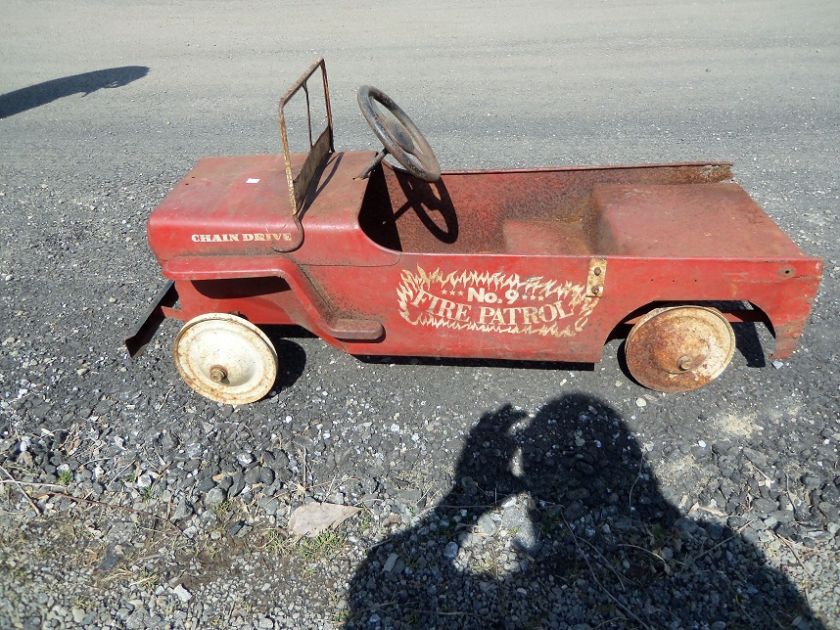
738, 425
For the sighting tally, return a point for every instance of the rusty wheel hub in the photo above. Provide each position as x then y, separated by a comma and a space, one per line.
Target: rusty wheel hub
680, 348
225, 358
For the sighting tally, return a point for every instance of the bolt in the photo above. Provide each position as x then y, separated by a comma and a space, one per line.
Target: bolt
684, 363
597, 271
218, 374
596, 290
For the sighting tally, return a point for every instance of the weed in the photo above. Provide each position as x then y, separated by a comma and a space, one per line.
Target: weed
657, 534
148, 579
364, 523
224, 508
131, 477
65, 477
145, 578
277, 544
325, 545
83, 601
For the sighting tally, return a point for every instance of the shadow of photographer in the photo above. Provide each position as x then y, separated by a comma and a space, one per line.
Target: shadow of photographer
557, 520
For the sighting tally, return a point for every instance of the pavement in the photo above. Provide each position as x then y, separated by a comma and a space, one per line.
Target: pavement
104, 107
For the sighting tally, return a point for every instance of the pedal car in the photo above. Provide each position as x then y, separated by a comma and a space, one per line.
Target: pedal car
532, 264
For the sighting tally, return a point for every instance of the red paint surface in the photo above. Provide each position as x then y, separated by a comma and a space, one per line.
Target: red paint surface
669, 233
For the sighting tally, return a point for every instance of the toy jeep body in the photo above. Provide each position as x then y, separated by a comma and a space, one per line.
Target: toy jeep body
532, 264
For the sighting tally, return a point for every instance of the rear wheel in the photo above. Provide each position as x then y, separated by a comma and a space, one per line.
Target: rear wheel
225, 358
679, 348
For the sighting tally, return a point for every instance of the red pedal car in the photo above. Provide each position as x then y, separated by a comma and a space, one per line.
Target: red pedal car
533, 264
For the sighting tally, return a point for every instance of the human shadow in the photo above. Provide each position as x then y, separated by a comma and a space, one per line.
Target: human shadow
86, 83
558, 520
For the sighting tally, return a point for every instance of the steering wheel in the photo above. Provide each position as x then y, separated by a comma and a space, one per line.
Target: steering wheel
399, 134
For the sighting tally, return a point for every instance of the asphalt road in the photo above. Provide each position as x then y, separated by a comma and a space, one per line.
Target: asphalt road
85, 157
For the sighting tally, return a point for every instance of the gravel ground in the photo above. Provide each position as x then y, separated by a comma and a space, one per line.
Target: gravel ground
491, 494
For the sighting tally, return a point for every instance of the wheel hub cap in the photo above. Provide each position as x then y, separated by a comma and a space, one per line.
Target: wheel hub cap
225, 358
677, 349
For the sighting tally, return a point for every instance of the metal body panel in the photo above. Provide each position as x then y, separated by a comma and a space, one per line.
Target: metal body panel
239, 205
481, 264
377, 294
708, 221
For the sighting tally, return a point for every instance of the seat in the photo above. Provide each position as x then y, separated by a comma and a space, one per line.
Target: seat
686, 221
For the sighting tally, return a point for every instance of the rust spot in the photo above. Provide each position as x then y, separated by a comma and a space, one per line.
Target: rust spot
678, 349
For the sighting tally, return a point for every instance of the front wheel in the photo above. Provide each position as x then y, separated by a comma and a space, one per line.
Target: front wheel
225, 358
679, 348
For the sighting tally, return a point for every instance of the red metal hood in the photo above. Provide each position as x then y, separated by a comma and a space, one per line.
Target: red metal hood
225, 206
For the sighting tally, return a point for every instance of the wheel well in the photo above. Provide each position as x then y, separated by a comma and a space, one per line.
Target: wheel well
737, 312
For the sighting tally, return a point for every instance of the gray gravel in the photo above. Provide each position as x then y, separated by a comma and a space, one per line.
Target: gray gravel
492, 494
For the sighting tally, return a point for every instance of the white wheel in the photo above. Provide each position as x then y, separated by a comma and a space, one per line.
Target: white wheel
225, 358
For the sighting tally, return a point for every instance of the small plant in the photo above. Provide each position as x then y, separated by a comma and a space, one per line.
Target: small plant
65, 476
83, 601
657, 534
224, 508
364, 523
277, 544
147, 579
325, 545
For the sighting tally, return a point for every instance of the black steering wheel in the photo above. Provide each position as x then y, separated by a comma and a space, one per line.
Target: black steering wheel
401, 137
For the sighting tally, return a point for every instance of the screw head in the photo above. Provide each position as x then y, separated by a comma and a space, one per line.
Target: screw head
218, 374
